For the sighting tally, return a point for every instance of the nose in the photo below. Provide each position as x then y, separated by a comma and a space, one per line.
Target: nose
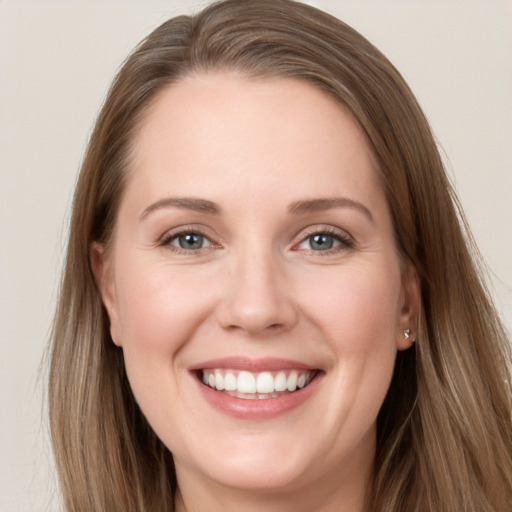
258, 298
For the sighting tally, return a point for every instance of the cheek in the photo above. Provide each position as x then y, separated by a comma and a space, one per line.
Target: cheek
358, 306
159, 307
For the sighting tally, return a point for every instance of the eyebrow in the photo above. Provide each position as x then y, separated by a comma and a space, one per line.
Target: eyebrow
187, 203
327, 203
296, 208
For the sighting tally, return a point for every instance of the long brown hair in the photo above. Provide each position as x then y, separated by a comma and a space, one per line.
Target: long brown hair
444, 430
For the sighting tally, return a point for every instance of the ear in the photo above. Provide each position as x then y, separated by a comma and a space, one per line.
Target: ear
102, 267
410, 306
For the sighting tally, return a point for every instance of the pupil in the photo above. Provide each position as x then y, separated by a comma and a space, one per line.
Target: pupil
191, 241
322, 242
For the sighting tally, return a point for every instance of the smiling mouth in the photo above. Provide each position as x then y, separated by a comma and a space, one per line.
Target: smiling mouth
256, 386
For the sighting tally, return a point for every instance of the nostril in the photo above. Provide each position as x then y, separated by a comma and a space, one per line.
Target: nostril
272, 327
256, 313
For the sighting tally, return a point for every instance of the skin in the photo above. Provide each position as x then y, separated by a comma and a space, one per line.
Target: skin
257, 288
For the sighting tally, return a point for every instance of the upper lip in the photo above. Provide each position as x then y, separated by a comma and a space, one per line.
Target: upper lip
252, 365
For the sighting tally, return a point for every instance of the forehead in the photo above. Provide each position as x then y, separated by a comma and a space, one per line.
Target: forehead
236, 134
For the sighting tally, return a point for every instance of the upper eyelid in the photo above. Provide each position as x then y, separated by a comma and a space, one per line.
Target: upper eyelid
303, 234
346, 240
183, 230
166, 240
323, 229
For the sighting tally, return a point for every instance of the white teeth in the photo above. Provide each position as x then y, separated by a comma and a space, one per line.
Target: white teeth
244, 384
265, 383
219, 381
230, 382
280, 382
291, 382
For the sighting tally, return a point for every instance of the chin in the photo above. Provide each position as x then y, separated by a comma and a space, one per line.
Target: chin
262, 473
268, 463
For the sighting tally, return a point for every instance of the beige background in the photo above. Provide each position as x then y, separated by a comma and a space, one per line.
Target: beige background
56, 61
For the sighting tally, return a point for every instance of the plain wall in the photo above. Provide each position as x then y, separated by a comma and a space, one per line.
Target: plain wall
56, 61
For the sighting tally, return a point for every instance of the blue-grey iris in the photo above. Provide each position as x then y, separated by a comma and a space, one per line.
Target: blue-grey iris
321, 242
190, 241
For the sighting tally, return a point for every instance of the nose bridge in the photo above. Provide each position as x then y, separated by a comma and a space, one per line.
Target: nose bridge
257, 298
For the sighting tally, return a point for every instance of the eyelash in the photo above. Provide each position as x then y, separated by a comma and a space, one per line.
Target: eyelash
345, 241
166, 240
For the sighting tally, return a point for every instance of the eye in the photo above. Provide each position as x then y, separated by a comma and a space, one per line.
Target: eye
189, 241
186, 241
320, 242
328, 240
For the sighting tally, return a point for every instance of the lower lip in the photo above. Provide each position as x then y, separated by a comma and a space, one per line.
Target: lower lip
265, 409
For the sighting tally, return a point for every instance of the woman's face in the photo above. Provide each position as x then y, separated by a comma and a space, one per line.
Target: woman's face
254, 251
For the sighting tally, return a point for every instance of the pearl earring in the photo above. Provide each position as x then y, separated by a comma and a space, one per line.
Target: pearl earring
409, 336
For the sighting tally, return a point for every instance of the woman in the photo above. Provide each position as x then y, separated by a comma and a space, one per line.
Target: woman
269, 300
